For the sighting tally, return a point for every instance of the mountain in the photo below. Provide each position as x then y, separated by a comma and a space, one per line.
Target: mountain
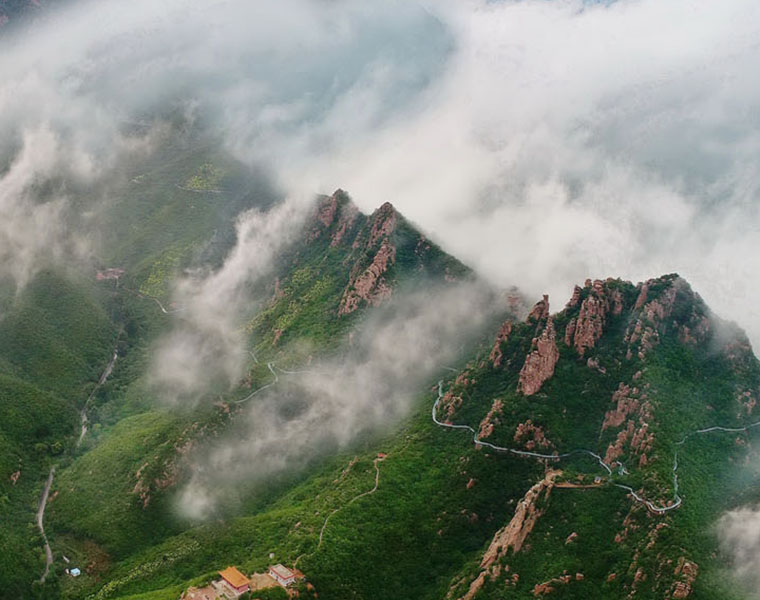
547, 468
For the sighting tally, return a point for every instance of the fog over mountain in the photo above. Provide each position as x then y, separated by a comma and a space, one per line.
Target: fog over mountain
542, 141
539, 142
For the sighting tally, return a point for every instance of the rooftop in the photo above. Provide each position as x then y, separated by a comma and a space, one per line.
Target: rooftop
282, 571
234, 577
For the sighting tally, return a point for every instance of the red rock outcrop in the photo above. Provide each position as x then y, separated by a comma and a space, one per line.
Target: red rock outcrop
540, 310
575, 298
514, 534
688, 572
15, 476
540, 362
383, 223
370, 286
348, 214
584, 331
490, 420
531, 436
496, 355
324, 215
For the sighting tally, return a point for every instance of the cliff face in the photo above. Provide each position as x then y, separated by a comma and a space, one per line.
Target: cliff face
539, 364
369, 285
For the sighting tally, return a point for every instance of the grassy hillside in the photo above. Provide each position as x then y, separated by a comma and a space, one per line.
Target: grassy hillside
55, 339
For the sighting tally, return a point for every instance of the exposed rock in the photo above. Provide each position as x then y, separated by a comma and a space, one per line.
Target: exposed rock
575, 298
15, 476
688, 572
348, 214
496, 355
327, 209
324, 215
540, 362
383, 223
514, 534
370, 286
625, 406
642, 298
570, 332
449, 403
531, 436
541, 589
490, 420
571, 538
540, 311
589, 325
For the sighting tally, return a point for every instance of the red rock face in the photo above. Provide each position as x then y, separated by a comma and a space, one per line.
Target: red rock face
539, 364
540, 311
383, 223
491, 419
575, 298
688, 571
370, 286
584, 331
632, 409
348, 214
496, 355
325, 215
531, 437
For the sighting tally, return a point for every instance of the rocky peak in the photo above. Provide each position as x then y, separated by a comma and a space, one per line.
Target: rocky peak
600, 300
540, 311
383, 223
540, 362
666, 304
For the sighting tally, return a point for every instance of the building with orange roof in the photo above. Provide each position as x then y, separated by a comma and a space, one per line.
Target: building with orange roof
235, 580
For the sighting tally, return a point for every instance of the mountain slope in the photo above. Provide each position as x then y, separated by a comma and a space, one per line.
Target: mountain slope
630, 374
623, 374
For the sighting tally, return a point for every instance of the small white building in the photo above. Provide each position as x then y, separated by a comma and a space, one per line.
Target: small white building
282, 575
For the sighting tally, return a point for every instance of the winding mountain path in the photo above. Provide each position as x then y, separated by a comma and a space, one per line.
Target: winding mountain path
42, 504
375, 462
41, 523
657, 509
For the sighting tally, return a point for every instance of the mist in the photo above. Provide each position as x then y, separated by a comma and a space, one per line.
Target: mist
739, 535
541, 142
326, 406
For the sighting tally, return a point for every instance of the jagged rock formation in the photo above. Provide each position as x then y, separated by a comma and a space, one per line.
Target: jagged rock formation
600, 300
496, 354
539, 364
513, 536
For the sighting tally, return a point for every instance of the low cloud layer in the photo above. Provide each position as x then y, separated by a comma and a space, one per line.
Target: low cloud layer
739, 533
568, 140
332, 403
205, 349
542, 142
